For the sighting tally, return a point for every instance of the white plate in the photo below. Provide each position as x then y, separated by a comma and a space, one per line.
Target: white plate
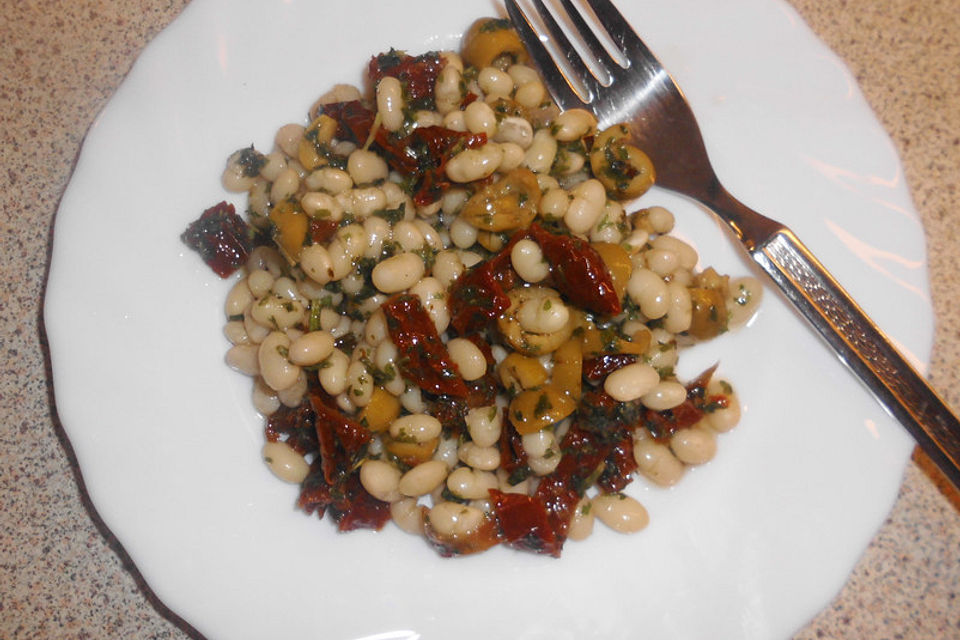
749, 546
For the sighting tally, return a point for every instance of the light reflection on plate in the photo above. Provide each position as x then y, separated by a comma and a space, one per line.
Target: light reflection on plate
749, 546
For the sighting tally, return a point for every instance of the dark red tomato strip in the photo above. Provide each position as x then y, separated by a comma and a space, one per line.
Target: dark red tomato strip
423, 357
478, 297
297, 423
597, 368
523, 522
475, 300
620, 464
221, 237
578, 271
417, 74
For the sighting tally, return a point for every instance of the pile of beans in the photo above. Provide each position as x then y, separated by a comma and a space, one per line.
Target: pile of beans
308, 313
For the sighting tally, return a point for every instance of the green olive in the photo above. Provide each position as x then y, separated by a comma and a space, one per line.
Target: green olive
709, 313
507, 204
625, 171
489, 39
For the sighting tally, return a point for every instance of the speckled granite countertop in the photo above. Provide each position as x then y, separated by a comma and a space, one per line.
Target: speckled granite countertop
63, 576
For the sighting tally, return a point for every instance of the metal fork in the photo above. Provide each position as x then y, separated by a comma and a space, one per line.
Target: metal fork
644, 96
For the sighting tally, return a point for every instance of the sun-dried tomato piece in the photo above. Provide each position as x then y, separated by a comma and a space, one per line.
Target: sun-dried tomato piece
524, 523
620, 464
221, 237
597, 368
321, 230
424, 358
478, 297
341, 439
578, 271
424, 153
297, 423
357, 509
355, 120
417, 74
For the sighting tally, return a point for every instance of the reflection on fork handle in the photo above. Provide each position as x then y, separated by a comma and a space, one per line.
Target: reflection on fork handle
864, 348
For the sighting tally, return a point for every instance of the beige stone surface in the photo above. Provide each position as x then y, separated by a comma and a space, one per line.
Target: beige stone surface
63, 576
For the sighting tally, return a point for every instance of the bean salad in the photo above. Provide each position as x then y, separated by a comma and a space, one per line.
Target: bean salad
453, 313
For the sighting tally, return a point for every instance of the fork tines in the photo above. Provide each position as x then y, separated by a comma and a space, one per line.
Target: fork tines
581, 84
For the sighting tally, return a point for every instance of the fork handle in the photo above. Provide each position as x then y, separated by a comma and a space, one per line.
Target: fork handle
863, 347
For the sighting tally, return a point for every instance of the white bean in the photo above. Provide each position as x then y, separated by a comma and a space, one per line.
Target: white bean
541, 152
284, 462
649, 292
666, 395
274, 164
528, 261
260, 282
531, 94
686, 254
390, 103
285, 185
743, 301
554, 203
317, 204
471, 484
408, 515
244, 358
655, 460
293, 395
418, 427
288, 137
695, 445
513, 156
366, 167
581, 524
480, 118
661, 261
495, 82
468, 358
447, 267
537, 444
447, 90
462, 233
451, 519
235, 332
659, 219
398, 272
433, 297
680, 310
330, 180
264, 398
423, 478
620, 512
277, 371
726, 418
238, 299
517, 130
574, 124
359, 384
381, 480
279, 313
408, 235
543, 315
316, 263
484, 425
474, 164
333, 372
631, 381
482, 458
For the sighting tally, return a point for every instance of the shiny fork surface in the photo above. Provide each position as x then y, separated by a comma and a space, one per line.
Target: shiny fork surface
643, 95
